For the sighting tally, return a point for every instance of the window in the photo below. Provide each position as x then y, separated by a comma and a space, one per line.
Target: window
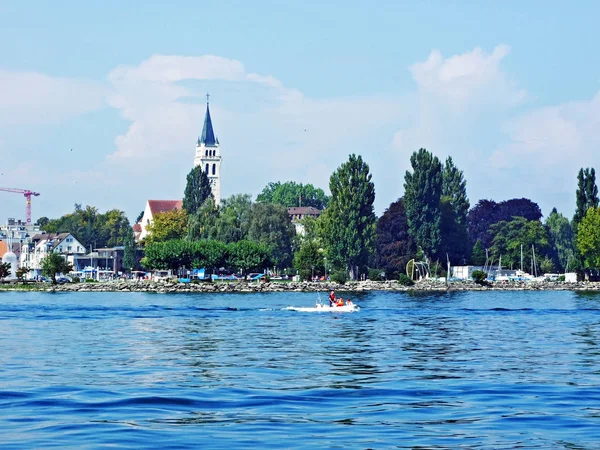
214, 169
206, 153
206, 168
69, 248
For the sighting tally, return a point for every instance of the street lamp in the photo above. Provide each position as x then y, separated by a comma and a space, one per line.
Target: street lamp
313, 273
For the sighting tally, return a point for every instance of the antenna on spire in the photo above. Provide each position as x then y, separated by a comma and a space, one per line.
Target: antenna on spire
207, 97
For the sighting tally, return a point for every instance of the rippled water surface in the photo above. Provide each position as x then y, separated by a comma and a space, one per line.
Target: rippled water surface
464, 370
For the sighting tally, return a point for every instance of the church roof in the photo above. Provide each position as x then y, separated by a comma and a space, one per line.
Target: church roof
160, 206
208, 135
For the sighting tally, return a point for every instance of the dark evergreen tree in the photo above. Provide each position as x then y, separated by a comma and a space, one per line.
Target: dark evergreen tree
393, 245
454, 237
197, 190
422, 193
350, 220
591, 190
561, 239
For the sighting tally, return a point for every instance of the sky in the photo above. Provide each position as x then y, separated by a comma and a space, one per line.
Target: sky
101, 103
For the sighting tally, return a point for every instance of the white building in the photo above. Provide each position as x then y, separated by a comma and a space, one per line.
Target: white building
44, 243
154, 207
299, 213
208, 156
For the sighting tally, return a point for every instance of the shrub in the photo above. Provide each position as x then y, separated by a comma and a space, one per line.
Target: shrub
75, 279
561, 278
339, 277
405, 280
375, 274
478, 276
90, 280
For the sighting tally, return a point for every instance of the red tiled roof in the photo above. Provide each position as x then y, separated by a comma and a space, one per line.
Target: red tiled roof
160, 206
137, 228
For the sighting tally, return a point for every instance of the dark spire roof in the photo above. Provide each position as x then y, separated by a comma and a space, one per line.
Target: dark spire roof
208, 135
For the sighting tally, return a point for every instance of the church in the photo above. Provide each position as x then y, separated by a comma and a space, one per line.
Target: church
208, 156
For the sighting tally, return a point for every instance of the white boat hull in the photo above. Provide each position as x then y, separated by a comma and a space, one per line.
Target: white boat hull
326, 308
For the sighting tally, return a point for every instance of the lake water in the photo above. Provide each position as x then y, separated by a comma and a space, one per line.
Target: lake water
463, 370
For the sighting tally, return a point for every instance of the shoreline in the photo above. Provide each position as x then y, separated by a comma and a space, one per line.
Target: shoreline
255, 287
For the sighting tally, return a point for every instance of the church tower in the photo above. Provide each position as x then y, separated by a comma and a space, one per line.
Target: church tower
208, 155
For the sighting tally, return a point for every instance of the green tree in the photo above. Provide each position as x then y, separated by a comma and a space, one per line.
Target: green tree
171, 255
586, 195
54, 264
270, 225
588, 238
478, 254
129, 252
350, 220
454, 186
291, 193
309, 260
42, 221
167, 225
201, 224
454, 236
422, 193
4, 269
510, 237
233, 222
209, 254
197, 190
247, 256
561, 238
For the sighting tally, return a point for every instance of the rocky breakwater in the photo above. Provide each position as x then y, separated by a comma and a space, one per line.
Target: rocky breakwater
350, 287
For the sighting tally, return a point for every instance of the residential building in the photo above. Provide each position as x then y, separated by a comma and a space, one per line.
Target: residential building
44, 243
298, 213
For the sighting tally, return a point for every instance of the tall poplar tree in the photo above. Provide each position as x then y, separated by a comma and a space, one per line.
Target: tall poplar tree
422, 193
454, 186
197, 190
350, 218
586, 194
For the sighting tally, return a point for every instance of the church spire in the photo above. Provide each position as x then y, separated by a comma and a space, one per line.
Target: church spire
208, 135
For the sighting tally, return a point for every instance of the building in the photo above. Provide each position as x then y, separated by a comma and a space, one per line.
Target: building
101, 260
298, 213
43, 244
208, 155
154, 207
15, 234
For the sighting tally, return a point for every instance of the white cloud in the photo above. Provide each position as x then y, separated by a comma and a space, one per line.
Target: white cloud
30, 98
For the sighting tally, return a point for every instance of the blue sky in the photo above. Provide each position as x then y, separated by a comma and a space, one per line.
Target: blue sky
509, 89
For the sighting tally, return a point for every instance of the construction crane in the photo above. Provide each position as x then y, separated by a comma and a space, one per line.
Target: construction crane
28, 194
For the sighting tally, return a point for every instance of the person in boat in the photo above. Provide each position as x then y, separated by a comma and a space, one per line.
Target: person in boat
340, 302
332, 298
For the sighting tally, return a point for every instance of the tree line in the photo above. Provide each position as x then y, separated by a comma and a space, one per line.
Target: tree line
433, 220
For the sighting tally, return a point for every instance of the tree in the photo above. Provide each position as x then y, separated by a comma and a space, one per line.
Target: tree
487, 212
454, 186
309, 260
201, 224
291, 193
350, 220
168, 255
197, 190
233, 222
20, 273
54, 264
247, 256
129, 259
453, 232
561, 238
270, 225
510, 237
167, 225
91, 228
422, 193
4, 269
586, 195
588, 238
478, 254
393, 245
42, 221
